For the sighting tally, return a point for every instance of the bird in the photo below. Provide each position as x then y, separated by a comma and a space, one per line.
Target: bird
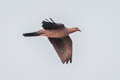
58, 35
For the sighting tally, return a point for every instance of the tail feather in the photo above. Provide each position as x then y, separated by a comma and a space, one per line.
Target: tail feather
31, 34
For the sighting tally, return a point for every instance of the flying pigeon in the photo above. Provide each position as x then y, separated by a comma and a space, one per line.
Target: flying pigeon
58, 35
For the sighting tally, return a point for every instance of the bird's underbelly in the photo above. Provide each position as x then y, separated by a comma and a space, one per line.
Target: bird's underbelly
55, 34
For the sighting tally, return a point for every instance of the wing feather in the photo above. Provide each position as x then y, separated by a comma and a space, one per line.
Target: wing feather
63, 48
52, 25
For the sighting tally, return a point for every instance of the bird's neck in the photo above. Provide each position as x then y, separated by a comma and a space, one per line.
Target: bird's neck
70, 30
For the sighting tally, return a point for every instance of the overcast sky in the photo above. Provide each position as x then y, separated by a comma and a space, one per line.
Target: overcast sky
35, 59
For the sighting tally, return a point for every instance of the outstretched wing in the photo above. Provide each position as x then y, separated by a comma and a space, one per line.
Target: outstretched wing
63, 48
52, 25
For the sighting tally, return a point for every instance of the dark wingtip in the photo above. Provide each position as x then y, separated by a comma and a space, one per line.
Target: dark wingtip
71, 60
67, 61
63, 62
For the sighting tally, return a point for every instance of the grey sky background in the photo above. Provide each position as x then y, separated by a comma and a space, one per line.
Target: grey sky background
95, 57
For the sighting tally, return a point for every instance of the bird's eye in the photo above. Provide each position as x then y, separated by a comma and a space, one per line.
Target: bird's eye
76, 28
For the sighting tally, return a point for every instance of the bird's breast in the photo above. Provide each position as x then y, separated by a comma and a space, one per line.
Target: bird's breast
55, 33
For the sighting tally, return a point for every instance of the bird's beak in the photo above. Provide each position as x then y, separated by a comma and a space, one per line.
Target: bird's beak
79, 30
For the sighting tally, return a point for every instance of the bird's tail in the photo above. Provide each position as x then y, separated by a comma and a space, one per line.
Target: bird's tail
31, 34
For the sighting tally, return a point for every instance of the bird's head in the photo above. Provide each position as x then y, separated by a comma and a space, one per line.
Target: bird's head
76, 29
73, 29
